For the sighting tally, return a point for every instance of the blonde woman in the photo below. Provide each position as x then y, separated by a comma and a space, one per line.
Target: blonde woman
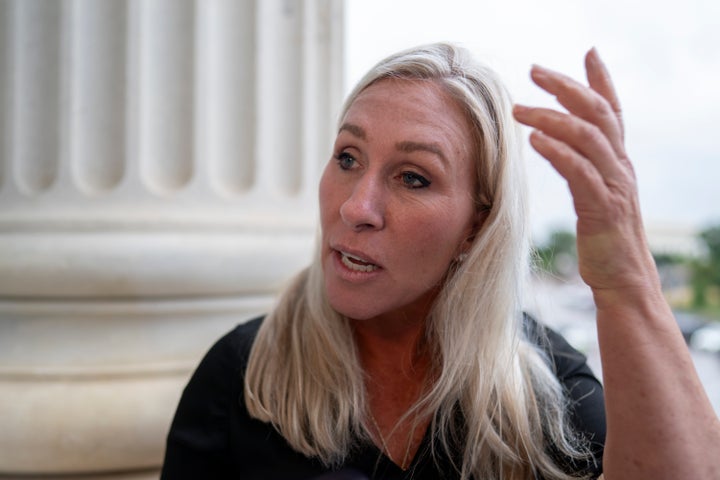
402, 351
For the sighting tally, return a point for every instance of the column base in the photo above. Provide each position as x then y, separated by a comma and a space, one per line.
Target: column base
91, 387
140, 475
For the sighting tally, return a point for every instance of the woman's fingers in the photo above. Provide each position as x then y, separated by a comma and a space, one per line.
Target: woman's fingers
599, 203
587, 103
600, 81
583, 179
592, 125
587, 139
585, 145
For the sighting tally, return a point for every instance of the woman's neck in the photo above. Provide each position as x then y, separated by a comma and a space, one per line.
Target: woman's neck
396, 361
392, 347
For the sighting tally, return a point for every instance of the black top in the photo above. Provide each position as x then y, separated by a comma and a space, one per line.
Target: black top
213, 437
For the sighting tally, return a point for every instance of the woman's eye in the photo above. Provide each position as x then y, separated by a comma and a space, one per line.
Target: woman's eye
345, 160
414, 180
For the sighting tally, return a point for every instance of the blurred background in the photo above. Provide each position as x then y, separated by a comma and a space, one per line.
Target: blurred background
663, 58
158, 170
665, 64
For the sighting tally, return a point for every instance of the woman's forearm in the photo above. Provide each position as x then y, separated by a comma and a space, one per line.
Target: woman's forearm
660, 422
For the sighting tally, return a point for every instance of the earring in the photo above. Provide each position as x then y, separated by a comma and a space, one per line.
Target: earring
461, 258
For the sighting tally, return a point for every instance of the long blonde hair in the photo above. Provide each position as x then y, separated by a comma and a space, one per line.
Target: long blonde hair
304, 375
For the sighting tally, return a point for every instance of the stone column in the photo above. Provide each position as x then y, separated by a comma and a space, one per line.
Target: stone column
158, 168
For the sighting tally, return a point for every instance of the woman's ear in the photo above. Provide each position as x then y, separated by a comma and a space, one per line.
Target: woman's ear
477, 224
480, 216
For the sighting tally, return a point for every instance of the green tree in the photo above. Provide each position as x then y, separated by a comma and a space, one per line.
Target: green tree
559, 254
706, 271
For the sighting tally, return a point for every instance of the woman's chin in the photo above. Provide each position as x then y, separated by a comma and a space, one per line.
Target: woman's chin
350, 303
353, 312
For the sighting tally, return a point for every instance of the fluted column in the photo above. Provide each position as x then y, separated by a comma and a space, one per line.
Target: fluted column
158, 170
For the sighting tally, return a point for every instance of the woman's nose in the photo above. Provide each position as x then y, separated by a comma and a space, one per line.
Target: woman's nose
364, 209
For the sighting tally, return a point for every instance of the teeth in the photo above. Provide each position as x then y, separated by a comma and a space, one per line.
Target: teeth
362, 266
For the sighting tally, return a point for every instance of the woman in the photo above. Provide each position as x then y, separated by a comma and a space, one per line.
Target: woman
402, 351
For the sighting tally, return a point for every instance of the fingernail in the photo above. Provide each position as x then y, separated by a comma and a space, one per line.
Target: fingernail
517, 108
594, 57
538, 72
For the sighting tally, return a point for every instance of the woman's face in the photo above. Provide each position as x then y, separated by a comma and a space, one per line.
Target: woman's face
396, 200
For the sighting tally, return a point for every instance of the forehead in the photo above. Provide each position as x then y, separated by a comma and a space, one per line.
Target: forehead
417, 108
415, 96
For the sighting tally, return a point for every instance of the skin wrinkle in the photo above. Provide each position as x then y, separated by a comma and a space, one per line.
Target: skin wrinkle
404, 146
410, 147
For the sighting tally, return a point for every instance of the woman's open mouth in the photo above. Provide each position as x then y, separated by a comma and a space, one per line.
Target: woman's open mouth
356, 263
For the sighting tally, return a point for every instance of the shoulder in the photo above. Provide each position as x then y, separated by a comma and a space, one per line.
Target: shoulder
229, 354
237, 343
199, 437
565, 360
569, 365
583, 390
241, 337
221, 369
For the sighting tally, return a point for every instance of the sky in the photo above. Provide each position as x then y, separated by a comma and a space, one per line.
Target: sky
664, 57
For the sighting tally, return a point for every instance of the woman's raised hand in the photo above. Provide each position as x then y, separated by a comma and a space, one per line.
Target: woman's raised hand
660, 423
586, 146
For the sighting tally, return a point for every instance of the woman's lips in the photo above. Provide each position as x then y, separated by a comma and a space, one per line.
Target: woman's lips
356, 263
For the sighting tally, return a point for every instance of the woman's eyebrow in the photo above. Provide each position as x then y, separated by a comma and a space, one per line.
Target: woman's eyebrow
406, 146
353, 129
409, 147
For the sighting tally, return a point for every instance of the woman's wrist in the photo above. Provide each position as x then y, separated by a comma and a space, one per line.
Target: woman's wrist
644, 297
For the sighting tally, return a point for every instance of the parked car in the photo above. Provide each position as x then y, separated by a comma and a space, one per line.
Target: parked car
706, 338
689, 323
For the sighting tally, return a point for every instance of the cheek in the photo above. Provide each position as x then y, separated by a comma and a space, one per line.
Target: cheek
451, 223
435, 239
326, 200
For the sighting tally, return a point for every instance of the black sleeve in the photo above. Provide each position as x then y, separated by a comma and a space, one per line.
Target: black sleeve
584, 390
198, 444
585, 394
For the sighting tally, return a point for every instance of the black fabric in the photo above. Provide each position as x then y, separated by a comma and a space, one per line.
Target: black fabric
213, 437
